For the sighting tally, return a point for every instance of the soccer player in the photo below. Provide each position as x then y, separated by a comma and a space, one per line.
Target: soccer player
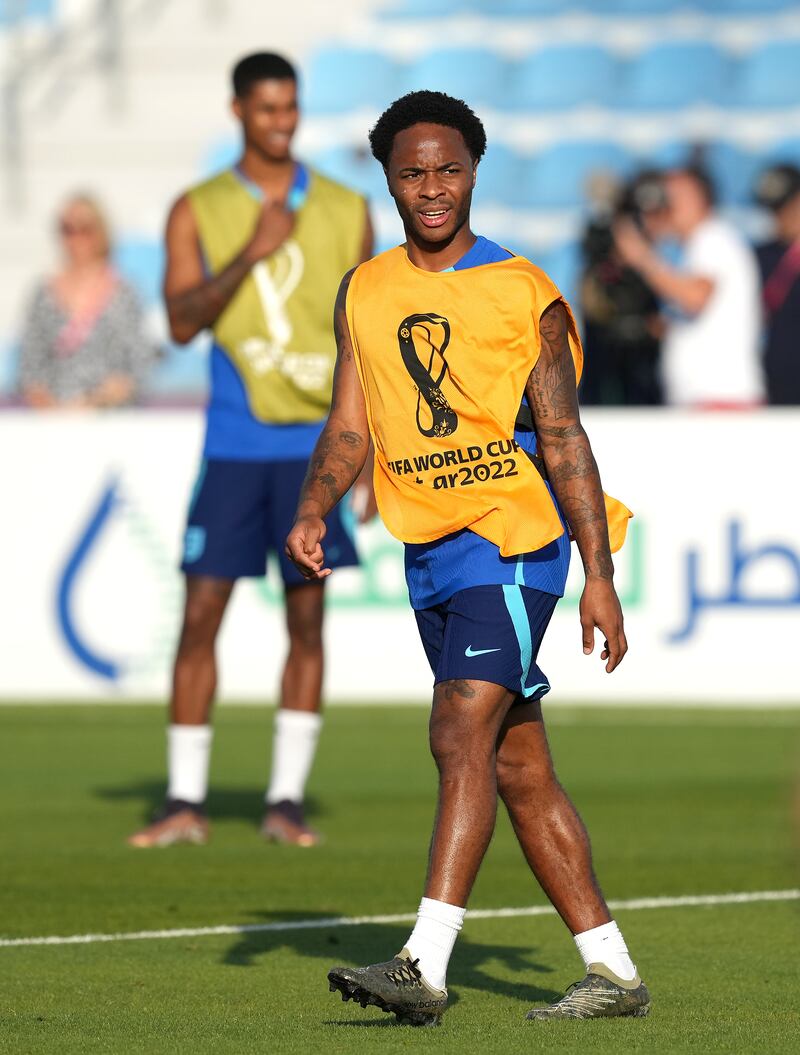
256, 254
439, 340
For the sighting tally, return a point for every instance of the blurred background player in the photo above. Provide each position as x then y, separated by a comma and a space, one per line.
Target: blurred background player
256, 254
710, 355
84, 342
778, 190
487, 553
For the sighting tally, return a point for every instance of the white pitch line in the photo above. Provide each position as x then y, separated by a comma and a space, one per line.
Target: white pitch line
689, 901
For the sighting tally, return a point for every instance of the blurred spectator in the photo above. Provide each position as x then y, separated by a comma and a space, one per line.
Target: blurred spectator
710, 352
83, 343
778, 189
620, 312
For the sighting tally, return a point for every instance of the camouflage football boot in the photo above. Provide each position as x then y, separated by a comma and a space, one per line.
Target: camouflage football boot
396, 986
175, 822
285, 822
601, 994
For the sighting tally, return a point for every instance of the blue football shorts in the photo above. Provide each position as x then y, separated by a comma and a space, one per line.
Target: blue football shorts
489, 633
241, 511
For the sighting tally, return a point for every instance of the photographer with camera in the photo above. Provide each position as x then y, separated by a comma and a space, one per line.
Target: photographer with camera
622, 327
710, 356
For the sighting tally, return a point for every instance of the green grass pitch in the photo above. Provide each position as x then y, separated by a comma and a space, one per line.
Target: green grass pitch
677, 802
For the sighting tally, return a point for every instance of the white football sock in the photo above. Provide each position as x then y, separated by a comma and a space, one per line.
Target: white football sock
188, 755
433, 938
606, 945
294, 745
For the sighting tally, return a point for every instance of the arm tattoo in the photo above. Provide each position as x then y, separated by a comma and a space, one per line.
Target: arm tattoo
336, 462
565, 447
341, 451
555, 383
583, 465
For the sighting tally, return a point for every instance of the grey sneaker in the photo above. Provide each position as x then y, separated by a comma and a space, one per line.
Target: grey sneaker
396, 985
601, 994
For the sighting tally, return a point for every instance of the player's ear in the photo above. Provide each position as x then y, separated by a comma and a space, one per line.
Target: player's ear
236, 107
474, 174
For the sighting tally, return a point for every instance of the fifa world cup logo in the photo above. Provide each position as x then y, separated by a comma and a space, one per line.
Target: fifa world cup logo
434, 331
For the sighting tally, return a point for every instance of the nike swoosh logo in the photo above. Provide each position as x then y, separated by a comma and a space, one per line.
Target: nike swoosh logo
469, 651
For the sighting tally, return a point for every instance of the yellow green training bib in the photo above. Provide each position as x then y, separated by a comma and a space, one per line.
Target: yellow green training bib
277, 329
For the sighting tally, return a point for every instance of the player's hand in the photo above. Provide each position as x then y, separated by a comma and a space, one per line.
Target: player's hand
304, 547
600, 608
274, 225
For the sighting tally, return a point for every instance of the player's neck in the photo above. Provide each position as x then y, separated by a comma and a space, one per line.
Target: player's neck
439, 257
273, 176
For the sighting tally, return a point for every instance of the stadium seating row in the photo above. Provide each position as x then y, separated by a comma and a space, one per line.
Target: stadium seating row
31, 9
668, 75
38, 9
522, 8
556, 176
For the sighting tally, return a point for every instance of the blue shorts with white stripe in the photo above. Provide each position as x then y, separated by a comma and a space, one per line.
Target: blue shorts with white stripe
489, 633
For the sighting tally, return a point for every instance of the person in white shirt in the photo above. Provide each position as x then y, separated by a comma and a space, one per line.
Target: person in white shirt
710, 356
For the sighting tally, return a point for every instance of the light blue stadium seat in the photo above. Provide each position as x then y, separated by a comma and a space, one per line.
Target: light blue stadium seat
482, 8
181, 375
744, 7
520, 8
564, 76
673, 75
499, 177
563, 264
733, 171
9, 368
141, 261
784, 152
342, 79
668, 155
770, 76
477, 75
635, 7
221, 154
556, 177
355, 167
33, 9
425, 8
731, 168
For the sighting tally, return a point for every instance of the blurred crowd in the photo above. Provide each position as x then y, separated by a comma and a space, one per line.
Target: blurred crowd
84, 343
678, 308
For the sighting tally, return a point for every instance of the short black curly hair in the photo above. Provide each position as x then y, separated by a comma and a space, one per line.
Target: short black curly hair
261, 66
425, 107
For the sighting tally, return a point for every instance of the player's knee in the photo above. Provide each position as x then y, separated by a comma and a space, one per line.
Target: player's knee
512, 778
456, 743
200, 625
306, 635
518, 776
